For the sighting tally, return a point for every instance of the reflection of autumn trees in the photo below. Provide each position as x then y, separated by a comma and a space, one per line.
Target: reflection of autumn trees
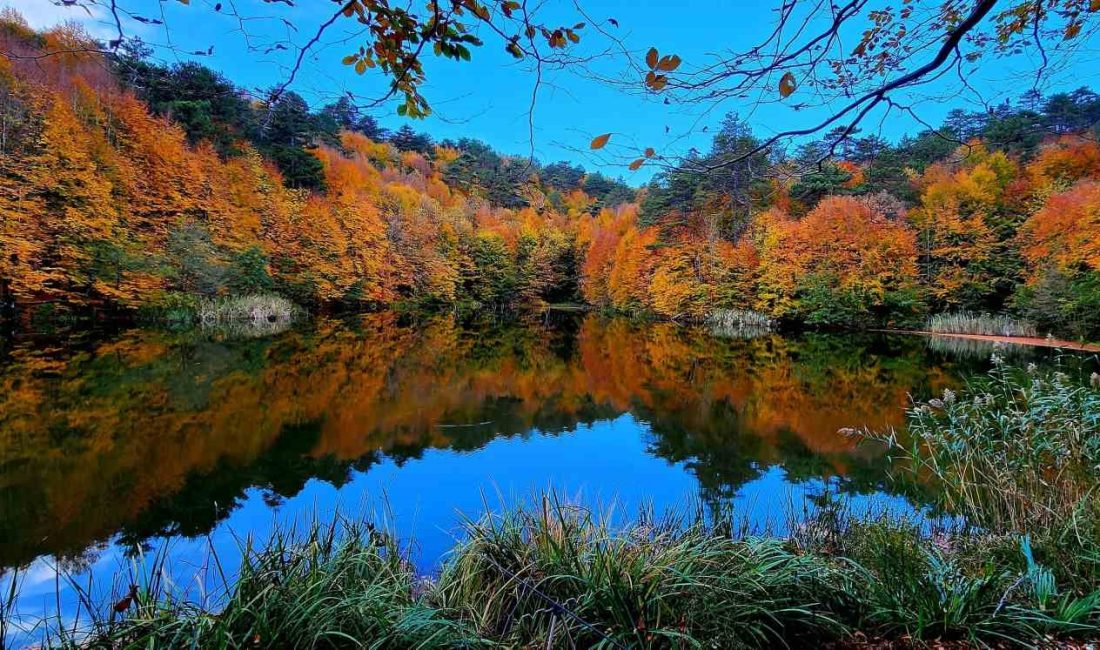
148, 431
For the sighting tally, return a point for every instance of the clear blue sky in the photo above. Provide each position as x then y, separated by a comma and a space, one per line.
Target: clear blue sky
489, 97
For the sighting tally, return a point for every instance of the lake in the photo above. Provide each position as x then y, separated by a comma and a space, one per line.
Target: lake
113, 444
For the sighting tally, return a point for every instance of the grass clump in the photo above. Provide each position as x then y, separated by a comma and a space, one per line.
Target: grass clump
343, 584
739, 323
985, 324
248, 316
255, 309
1017, 457
557, 572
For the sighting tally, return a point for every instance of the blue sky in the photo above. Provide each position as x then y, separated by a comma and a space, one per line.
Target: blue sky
489, 97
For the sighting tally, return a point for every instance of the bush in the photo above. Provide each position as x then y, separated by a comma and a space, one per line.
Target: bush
1061, 304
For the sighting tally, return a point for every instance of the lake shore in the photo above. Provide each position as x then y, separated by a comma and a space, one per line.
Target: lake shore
1036, 341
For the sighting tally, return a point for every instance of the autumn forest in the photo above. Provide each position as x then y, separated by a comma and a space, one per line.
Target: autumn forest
139, 188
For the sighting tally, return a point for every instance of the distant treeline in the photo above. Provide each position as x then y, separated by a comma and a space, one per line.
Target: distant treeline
141, 186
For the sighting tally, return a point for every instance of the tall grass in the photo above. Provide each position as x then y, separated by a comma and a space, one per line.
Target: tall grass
1020, 449
256, 309
559, 571
558, 575
987, 324
739, 323
341, 584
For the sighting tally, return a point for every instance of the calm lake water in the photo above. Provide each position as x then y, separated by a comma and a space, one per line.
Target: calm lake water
114, 444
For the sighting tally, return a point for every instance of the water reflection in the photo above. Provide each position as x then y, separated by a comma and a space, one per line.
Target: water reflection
150, 434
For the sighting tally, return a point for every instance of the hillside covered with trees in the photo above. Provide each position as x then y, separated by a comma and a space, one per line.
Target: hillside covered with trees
131, 185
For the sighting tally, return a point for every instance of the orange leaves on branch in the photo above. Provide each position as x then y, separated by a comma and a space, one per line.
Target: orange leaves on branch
1064, 232
658, 64
362, 60
668, 63
787, 85
600, 141
634, 166
655, 82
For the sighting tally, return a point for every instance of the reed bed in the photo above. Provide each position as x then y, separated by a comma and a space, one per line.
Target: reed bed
260, 310
739, 323
985, 324
1019, 449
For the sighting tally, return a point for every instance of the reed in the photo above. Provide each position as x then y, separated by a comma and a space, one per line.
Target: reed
260, 310
974, 323
1018, 450
739, 323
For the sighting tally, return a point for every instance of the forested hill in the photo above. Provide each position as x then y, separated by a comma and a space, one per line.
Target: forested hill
134, 185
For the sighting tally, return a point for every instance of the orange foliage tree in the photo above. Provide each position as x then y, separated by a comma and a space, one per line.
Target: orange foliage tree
838, 265
956, 223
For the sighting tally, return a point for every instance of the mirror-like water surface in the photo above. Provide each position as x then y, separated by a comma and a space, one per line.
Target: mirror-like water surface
110, 444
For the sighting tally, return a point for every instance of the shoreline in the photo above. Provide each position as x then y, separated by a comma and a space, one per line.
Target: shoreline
1035, 341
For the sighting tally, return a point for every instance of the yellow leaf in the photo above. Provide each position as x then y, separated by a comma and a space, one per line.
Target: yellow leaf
599, 141
787, 85
651, 58
636, 164
668, 63
361, 66
349, 59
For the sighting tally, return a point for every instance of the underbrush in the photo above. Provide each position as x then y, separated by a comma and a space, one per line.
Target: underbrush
1017, 455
